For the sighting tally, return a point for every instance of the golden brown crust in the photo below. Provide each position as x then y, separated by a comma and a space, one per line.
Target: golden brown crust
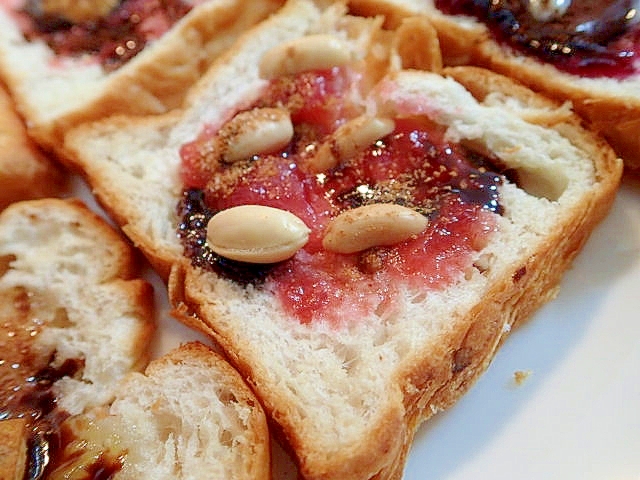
13, 448
25, 172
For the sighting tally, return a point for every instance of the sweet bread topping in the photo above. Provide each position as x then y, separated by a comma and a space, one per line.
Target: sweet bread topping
414, 166
112, 39
583, 37
27, 376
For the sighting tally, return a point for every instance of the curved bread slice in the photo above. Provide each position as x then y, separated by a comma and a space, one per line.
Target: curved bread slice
74, 319
25, 172
347, 398
611, 105
190, 415
54, 94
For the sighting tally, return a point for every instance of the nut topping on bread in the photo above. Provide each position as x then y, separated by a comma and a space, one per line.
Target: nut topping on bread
348, 140
313, 52
256, 234
254, 132
374, 225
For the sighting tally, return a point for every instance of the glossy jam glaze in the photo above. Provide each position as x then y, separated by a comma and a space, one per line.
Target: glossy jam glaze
414, 166
591, 38
112, 40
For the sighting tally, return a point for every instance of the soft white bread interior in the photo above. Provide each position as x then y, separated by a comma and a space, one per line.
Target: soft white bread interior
67, 282
347, 398
611, 105
54, 93
189, 416
25, 172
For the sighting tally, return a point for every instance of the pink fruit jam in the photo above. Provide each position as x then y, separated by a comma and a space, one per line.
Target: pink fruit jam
414, 166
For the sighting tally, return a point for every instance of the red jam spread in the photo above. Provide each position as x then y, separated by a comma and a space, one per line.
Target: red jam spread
414, 166
591, 38
113, 39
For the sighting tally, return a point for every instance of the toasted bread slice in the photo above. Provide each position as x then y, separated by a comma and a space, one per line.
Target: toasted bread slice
54, 91
13, 448
71, 295
74, 318
610, 104
26, 173
190, 415
347, 386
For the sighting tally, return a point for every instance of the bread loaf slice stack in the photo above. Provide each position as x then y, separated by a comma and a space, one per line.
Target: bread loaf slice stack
55, 91
75, 330
610, 104
347, 391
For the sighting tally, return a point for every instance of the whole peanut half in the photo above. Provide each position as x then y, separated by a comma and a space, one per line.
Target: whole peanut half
378, 224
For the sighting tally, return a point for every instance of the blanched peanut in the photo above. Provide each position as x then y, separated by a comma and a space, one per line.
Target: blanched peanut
313, 52
261, 130
349, 139
256, 234
373, 225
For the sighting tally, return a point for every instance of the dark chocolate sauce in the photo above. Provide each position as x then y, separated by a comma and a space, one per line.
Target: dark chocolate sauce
592, 38
192, 231
34, 399
113, 39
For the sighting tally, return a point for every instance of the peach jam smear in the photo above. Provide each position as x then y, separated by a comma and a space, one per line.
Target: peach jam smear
112, 40
590, 38
414, 166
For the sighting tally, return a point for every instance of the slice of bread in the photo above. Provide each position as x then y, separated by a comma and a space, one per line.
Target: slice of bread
347, 395
72, 280
53, 92
74, 317
75, 332
611, 105
190, 415
26, 173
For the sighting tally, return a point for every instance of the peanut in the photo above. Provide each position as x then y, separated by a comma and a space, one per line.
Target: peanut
312, 52
378, 224
261, 130
349, 139
256, 234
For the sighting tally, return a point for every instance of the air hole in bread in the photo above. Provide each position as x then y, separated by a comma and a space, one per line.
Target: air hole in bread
540, 183
227, 397
60, 319
461, 359
5, 263
419, 297
226, 438
483, 263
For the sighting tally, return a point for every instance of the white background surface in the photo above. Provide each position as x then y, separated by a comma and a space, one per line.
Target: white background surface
577, 414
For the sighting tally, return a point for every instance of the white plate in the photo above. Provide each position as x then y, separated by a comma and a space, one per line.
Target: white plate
577, 413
